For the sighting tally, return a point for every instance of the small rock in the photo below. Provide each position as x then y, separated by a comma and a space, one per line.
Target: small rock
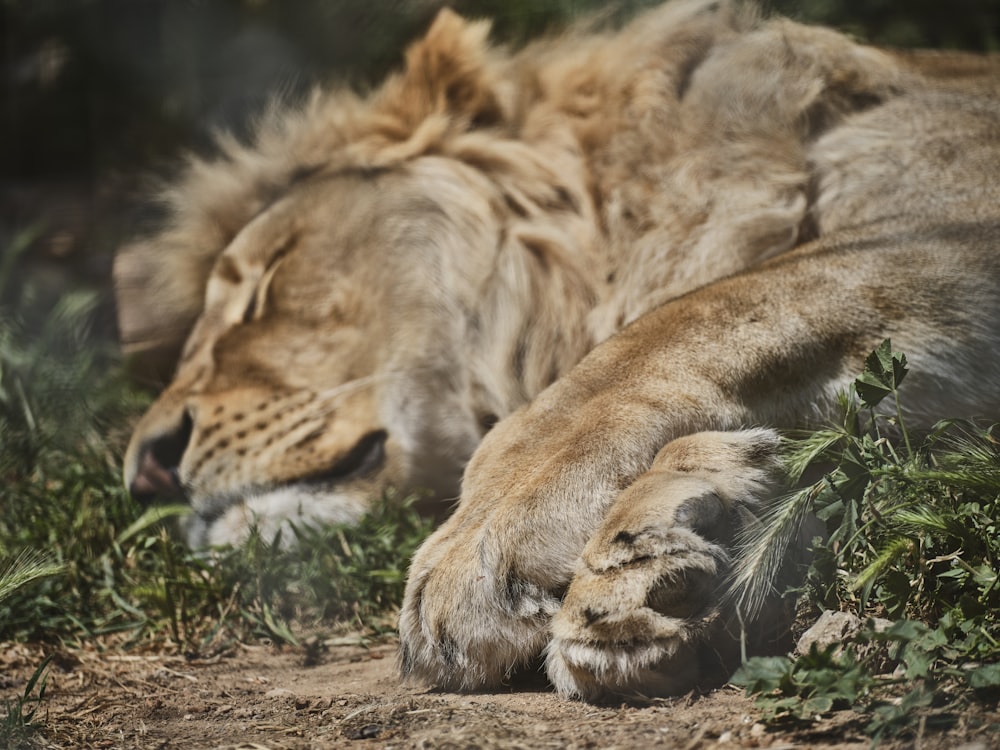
834, 627
278, 693
831, 627
366, 732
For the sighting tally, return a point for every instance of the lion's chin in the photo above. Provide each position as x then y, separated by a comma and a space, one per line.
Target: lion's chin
270, 512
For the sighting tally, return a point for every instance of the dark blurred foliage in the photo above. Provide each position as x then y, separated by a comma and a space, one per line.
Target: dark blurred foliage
94, 93
945, 24
97, 84
89, 85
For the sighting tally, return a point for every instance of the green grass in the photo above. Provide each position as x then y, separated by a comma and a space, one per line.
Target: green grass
913, 535
18, 726
125, 572
109, 568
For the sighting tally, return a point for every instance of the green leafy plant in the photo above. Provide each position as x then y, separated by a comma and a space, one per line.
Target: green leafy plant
18, 725
912, 534
815, 684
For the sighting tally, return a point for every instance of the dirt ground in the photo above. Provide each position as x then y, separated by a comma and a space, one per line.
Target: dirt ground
348, 696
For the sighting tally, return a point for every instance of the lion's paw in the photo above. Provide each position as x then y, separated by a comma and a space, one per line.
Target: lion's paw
642, 616
467, 621
634, 628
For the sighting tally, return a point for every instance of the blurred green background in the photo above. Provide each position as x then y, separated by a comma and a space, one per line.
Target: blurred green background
98, 93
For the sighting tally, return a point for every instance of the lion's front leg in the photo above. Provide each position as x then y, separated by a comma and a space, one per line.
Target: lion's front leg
744, 351
643, 615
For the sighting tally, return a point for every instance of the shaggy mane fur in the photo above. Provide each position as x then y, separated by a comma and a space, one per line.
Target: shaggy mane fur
567, 120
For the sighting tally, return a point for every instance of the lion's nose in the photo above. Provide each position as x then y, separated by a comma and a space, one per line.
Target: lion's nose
157, 475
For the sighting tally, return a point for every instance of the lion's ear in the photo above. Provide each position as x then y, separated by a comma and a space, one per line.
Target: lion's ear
157, 304
450, 71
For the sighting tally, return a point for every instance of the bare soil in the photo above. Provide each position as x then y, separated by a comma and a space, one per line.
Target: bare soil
348, 696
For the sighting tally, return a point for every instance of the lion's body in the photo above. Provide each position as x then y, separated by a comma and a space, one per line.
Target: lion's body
612, 243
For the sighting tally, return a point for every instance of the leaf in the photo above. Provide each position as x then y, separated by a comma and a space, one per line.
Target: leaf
817, 705
918, 663
762, 674
884, 371
986, 677
894, 591
902, 630
18, 713
150, 518
971, 607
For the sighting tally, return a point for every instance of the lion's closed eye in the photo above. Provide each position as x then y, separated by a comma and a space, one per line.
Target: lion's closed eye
366, 455
257, 303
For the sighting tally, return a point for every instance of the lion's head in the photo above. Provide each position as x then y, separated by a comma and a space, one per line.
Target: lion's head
361, 293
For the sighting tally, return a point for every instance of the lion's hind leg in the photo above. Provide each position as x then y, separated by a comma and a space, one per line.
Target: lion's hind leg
644, 607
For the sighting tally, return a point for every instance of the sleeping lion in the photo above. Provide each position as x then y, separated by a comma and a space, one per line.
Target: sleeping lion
596, 276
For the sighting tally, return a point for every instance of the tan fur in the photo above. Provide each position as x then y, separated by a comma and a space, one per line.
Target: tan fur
631, 247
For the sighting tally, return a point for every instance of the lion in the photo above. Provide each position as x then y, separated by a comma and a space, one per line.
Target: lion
582, 285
